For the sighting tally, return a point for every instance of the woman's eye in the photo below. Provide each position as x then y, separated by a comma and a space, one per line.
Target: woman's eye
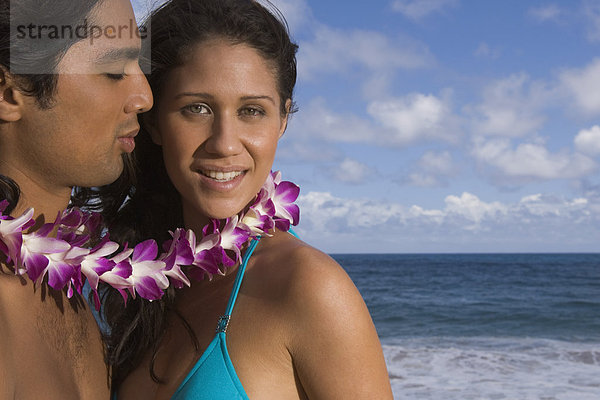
197, 109
252, 111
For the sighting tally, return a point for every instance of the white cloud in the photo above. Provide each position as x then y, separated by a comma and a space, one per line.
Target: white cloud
415, 117
587, 141
543, 205
539, 222
395, 122
531, 161
338, 51
464, 212
352, 171
438, 162
433, 168
506, 126
510, 107
417, 9
436, 216
322, 210
548, 12
318, 120
583, 85
471, 208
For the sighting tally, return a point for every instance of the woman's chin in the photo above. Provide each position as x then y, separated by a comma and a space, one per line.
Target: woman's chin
223, 213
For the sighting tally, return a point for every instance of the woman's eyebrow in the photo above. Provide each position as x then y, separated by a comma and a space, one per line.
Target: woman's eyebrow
258, 97
210, 96
195, 94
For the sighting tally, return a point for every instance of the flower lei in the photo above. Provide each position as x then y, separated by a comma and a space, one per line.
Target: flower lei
142, 270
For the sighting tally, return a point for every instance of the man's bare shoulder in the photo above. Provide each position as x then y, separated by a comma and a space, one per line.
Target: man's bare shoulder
7, 380
9, 298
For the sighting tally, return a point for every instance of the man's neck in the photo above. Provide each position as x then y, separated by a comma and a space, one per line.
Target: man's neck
46, 204
44, 197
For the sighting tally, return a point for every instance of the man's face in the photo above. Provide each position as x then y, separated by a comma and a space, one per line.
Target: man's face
80, 140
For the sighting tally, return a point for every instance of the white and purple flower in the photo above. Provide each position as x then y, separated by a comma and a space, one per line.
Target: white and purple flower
142, 271
11, 235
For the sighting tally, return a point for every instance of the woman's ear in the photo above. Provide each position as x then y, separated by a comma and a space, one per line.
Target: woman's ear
284, 120
149, 124
11, 99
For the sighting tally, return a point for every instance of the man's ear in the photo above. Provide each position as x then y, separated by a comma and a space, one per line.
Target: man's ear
149, 124
284, 120
11, 99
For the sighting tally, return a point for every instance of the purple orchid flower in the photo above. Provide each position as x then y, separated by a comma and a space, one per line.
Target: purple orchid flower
207, 257
147, 273
54, 257
284, 196
62, 269
256, 224
179, 253
11, 237
76, 226
258, 219
232, 239
97, 263
118, 276
67, 262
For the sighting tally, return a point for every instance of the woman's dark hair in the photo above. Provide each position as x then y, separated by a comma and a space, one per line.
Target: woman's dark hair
154, 206
30, 55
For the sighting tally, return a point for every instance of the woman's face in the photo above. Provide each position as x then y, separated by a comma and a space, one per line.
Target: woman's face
218, 121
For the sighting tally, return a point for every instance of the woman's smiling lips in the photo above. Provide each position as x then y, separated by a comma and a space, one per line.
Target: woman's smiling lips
221, 179
221, 176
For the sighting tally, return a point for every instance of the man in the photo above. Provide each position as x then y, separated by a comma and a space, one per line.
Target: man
69, 100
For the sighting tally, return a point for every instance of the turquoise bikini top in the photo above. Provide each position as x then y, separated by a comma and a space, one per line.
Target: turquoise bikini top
214, 377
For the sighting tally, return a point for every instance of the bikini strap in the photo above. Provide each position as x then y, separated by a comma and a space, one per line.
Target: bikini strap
224, 320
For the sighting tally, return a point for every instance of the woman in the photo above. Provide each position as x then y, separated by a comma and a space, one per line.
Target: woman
291, 323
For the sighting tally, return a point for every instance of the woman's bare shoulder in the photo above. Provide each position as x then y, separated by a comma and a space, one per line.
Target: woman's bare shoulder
328, 325
307, 285
300, 271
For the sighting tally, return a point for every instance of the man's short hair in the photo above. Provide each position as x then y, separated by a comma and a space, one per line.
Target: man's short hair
33, 62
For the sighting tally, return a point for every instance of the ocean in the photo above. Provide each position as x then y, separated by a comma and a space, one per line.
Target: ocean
485, 326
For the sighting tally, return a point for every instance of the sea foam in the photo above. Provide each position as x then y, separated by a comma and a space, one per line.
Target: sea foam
493, 368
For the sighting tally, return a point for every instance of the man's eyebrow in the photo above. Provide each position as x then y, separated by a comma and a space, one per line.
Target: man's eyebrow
125, 53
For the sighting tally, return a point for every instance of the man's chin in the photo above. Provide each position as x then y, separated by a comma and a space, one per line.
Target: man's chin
107, 176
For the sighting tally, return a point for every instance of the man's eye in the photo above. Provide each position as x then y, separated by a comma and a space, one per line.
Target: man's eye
115, 77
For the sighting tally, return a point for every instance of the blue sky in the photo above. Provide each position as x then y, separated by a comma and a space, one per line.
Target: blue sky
445, 125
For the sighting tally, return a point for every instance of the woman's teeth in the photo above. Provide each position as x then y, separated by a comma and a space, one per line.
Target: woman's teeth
222, 176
